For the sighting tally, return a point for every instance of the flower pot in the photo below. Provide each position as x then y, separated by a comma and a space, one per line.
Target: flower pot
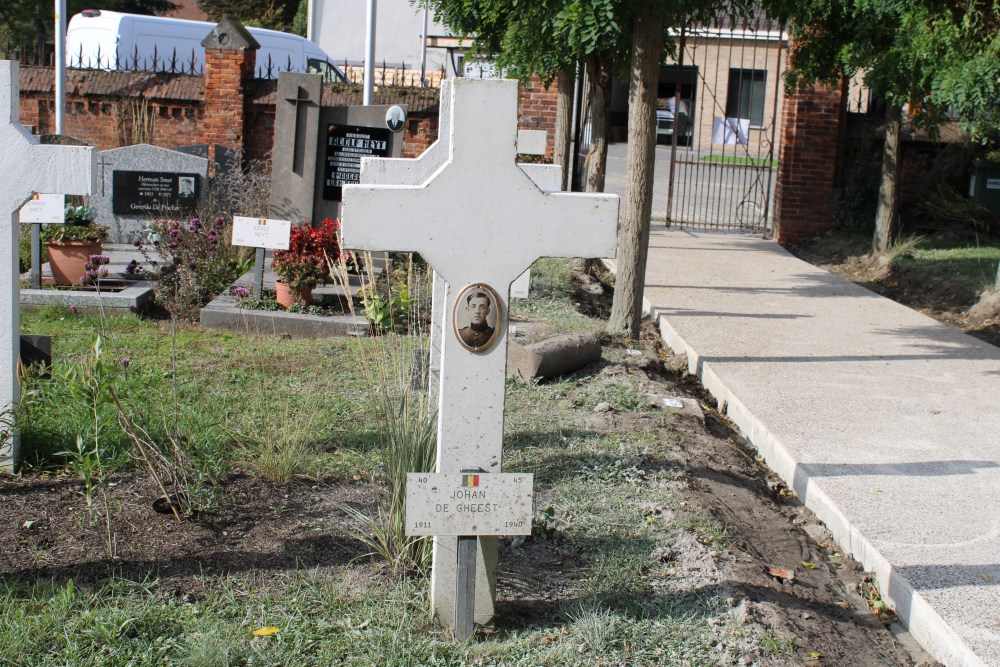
286, 298
68, 260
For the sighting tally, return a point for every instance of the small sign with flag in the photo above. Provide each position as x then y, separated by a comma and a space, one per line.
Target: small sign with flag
261, 232
469, 504
44, 208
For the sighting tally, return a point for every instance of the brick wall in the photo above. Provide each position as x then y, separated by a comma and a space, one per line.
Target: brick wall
227, 74
113, 109
811, 141
226, 106
536, 110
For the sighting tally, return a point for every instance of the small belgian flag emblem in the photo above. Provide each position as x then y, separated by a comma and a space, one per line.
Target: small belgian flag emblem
470, 480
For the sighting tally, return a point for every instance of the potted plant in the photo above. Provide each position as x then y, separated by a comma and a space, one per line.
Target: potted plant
304, 265
71, 245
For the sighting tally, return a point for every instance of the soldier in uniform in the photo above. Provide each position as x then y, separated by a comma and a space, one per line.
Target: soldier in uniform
478, 333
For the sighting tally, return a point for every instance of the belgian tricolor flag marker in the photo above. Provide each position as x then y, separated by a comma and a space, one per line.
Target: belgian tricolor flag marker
470, 480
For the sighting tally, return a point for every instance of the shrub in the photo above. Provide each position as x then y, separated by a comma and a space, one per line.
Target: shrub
204, 263
305, 264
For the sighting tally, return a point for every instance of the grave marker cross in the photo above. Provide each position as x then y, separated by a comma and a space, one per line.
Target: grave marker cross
476, 219
25, 169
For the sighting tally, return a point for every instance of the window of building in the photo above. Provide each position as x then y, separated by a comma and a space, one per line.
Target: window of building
745, 99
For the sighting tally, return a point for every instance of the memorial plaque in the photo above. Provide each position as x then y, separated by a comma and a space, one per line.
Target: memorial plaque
469, 503
44, 208
151, 192
261, 232
345, 146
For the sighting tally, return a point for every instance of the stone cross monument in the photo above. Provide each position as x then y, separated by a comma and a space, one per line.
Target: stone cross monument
26, 168
480, 222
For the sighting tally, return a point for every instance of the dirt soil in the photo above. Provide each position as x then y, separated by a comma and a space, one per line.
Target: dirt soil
951, 303
774, 564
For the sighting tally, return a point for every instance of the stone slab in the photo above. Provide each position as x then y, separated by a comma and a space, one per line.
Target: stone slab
224, 313
135, 297
552, 357
141, 157
883, 421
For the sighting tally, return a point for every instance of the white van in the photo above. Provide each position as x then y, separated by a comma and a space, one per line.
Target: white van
99, 39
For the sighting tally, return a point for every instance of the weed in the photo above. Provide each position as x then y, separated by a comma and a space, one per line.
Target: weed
90, 386
904, 247
774, 644
406, 426
947, 209
595, 626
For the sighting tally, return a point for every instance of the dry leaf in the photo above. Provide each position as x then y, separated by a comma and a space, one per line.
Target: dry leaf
843, 605
782, 573
816, 655
809, 566
265, 632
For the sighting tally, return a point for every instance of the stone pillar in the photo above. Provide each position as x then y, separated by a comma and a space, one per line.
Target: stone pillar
811, 146
230, 61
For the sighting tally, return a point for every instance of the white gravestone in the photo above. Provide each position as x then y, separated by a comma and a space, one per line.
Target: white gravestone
477, 219
416, 171
25, 169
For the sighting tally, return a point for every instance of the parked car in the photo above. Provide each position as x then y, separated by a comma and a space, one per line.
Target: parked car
108, 40
667, 121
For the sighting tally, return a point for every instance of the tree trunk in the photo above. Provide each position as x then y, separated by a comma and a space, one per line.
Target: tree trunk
633, 235
599, 76
887, 216
564, 122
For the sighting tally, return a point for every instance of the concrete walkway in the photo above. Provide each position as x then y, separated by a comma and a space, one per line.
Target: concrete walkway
884, 422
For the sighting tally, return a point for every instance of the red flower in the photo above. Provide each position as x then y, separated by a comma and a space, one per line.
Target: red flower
304, 264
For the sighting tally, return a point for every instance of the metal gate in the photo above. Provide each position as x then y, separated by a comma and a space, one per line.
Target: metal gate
719, 107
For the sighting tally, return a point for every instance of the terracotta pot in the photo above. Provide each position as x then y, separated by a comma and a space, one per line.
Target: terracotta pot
285, 297
68, 260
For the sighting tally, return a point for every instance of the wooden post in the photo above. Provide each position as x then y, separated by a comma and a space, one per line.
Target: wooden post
36, 255
258, 273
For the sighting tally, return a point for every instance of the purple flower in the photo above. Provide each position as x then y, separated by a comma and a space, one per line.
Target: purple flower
241, 293
194, 225
212, 237
132, 268
125, 362
220, 222
172, 245
72, 310
137, 243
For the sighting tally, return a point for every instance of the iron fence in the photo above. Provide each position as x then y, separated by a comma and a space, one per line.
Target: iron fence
350, 72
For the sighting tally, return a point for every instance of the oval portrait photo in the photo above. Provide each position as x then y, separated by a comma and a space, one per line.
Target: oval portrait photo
477, 312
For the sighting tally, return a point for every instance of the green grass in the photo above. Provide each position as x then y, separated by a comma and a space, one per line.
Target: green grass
212, 385
229, 395
739, 160
971, 264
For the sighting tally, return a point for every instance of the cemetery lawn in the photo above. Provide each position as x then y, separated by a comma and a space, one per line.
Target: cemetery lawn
659, 539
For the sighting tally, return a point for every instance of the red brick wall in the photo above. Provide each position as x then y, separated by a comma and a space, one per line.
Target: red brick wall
421, 131
811, 141
226, 106
537, 110
227, 74
101, 106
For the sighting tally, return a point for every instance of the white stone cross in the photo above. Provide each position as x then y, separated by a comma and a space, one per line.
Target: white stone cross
416, 171
476, 218
25, 169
